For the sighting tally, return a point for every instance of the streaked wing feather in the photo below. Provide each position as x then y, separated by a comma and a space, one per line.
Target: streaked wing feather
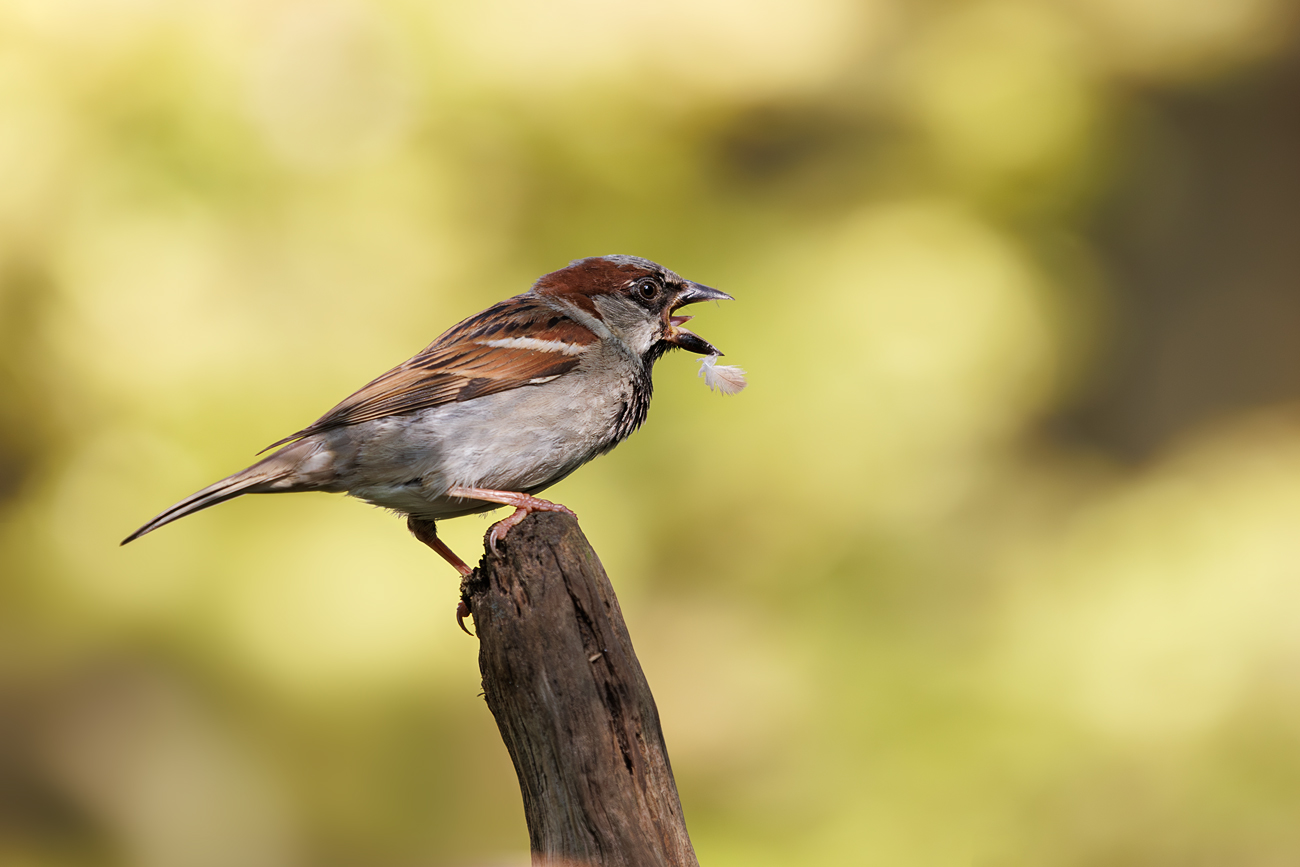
456, 367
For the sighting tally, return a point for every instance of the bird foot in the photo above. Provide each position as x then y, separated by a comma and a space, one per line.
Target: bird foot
500, 528
523, 503
424, 531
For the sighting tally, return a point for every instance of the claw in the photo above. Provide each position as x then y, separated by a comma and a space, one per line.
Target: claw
494, 536
462, 611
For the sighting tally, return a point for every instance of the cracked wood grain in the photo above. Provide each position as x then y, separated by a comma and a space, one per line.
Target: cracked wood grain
572, 704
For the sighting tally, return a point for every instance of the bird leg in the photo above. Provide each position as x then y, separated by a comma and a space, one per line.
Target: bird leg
428, 534
523, 503
425, 532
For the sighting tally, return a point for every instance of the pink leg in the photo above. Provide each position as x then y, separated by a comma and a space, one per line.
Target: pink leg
425, 532
523, 503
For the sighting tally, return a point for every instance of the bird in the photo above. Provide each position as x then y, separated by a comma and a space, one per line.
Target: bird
497, 409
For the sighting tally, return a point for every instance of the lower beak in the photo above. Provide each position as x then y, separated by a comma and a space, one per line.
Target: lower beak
689, 340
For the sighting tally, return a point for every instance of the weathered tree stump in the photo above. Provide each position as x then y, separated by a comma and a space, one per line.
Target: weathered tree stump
573, 707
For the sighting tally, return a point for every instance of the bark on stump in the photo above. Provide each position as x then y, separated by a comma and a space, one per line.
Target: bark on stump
573, 707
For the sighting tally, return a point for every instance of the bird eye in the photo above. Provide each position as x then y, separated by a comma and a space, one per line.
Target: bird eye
647, 289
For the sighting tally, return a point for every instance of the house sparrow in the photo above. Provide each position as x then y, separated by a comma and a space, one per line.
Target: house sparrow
497, 409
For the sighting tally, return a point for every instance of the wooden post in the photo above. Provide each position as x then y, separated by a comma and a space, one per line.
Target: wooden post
573, 707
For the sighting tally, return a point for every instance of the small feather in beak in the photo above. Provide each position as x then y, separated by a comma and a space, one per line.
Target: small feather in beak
726, 378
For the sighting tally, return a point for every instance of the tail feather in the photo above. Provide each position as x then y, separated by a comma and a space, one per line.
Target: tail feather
261, 477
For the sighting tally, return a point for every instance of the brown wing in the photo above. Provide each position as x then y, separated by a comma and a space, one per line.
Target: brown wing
519, 342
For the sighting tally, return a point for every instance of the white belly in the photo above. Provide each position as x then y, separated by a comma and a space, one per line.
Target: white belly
407, 463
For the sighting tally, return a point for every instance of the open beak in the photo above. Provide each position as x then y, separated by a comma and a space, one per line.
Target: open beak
688, 340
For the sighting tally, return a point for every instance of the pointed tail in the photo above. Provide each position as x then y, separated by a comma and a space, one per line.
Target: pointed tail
272, 473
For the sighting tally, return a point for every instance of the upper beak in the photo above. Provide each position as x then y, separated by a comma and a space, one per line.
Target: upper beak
688, 340
698, 292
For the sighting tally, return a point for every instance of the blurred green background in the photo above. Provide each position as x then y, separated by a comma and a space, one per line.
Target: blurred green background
996, 562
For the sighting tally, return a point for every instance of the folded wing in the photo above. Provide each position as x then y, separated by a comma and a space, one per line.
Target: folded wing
520, 342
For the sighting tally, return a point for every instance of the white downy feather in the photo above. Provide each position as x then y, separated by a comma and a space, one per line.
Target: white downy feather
725, 378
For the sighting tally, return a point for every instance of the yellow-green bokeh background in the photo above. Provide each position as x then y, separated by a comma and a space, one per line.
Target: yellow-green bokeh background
996, 562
